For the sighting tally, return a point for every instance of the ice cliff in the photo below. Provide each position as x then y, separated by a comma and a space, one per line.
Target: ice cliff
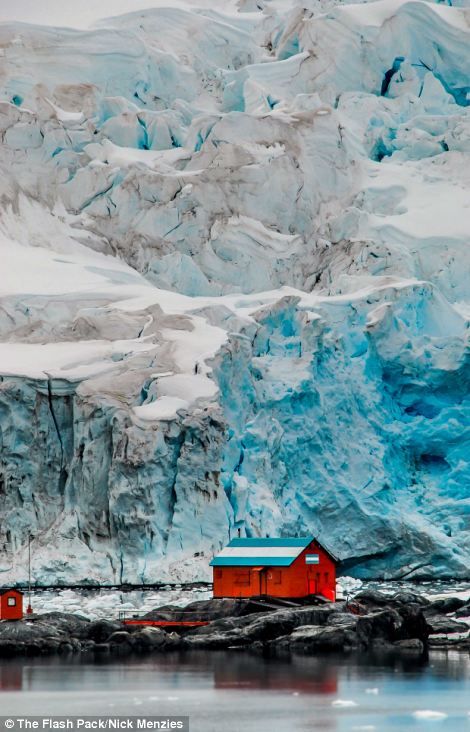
234, 244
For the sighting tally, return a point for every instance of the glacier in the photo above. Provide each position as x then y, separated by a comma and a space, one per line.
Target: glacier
234, 287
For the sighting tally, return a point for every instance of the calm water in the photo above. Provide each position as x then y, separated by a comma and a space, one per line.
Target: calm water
234, 691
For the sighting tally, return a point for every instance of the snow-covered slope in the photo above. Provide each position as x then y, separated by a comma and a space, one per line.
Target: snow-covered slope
234, 244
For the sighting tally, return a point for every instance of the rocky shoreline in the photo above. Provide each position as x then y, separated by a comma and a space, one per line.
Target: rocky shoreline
404, 623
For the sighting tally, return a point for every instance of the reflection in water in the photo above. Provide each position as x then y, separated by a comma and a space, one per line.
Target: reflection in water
245, 671
11, 677
247, 692
217, 669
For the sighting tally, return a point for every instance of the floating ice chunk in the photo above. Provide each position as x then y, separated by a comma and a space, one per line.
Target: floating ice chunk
344, 703
429, 714
349, 584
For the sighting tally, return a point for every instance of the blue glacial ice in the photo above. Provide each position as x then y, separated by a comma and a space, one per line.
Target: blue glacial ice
234, 291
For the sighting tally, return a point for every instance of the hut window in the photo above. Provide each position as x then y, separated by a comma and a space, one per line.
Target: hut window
218, 573
242, 578
11, 602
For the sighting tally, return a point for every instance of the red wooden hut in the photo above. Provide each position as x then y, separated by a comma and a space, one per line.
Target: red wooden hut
11, 605
288, 568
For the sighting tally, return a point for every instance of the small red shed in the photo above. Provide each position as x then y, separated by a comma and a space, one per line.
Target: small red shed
11, 605
288, 568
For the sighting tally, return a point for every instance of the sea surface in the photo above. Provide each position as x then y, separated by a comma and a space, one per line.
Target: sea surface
235, 691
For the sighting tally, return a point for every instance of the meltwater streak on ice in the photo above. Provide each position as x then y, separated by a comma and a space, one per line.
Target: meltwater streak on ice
235, 246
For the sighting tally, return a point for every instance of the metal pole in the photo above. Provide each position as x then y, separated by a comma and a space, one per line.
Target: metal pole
29, 609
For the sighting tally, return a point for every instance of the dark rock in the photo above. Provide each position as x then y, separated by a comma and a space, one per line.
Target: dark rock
204, 610
391, 625
119, 638
22, 631
314, 627
372, 598
408, 598
310, 638
76, 644
165, 612
87, 645
121, 643
413, 645
43, 635
355, 608
460, 644
100, 630
343, 620
438, 624
50, 645
213, 641
338, 607
383, 625
269, 626
445, 605
150, 639
413, 623
464, 611
261, 627
225, 624
62, 623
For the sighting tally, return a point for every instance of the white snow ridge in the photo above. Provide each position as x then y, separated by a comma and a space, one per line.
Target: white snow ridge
234, 286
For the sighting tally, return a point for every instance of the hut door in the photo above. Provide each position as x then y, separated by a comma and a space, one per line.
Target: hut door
312, 586
263, 582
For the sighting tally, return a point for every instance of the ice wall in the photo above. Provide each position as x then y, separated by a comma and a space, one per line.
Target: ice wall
234, 290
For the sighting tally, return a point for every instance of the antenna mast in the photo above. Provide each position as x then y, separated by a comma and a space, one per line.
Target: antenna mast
29, 608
